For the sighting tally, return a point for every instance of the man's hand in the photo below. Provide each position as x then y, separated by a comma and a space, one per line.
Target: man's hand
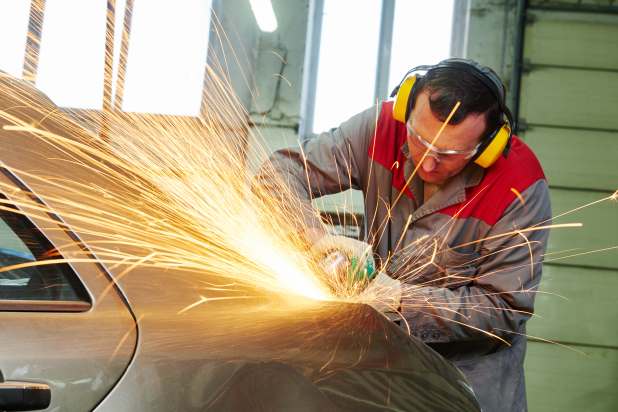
351, 247
383, 293
344, 258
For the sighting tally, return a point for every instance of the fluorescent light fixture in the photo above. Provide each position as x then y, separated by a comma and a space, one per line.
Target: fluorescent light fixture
264, 14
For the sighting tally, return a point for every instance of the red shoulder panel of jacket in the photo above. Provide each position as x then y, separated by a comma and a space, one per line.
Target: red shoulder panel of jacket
385, 146
502, 183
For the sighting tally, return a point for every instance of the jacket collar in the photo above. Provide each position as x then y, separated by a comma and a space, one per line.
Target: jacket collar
451, 193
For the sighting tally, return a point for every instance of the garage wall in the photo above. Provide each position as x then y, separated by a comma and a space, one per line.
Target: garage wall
275, 104
234, 39
275, 107
569, 115
492, 33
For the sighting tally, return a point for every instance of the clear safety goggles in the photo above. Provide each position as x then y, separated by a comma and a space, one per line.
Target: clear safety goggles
440, 154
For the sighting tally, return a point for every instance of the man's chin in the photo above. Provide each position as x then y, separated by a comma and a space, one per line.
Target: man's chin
430, 177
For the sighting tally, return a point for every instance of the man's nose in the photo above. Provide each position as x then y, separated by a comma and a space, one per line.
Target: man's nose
430, 163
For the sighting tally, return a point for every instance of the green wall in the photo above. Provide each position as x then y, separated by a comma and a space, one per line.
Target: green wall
569, 110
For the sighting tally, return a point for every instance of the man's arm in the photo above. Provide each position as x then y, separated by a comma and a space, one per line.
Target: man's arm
332, 162
500, 298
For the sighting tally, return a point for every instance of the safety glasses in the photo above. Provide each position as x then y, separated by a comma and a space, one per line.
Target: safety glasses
440, 154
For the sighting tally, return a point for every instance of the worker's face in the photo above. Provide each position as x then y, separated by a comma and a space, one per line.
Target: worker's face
451, 152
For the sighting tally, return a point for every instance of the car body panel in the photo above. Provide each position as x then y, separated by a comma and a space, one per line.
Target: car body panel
249, 353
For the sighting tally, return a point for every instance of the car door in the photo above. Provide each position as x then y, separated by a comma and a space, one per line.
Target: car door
61, 325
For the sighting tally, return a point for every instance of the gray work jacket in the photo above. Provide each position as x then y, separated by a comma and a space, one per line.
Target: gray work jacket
464, 279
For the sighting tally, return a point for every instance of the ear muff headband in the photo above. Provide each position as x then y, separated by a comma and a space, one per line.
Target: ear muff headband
497, 142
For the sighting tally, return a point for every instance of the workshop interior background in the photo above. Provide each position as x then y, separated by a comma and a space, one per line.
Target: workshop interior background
559, 60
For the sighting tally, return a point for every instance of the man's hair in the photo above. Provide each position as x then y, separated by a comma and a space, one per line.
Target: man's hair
447, 86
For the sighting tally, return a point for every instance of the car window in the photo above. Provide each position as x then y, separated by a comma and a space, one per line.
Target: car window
22, 243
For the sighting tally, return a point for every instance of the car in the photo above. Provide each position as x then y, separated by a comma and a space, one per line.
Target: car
81, 333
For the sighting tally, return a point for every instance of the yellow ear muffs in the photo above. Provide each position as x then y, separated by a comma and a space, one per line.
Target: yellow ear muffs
403, 96
495, 148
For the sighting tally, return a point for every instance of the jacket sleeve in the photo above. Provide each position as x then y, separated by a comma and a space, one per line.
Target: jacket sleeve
330, 163
500, 297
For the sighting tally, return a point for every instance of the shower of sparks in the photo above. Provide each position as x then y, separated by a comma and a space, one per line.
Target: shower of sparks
157, 191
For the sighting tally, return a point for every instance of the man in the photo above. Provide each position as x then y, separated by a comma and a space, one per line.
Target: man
444, 212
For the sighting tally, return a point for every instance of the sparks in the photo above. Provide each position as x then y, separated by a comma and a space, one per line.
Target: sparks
168, 193
519, 196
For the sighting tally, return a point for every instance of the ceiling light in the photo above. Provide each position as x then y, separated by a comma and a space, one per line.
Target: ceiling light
264, 14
